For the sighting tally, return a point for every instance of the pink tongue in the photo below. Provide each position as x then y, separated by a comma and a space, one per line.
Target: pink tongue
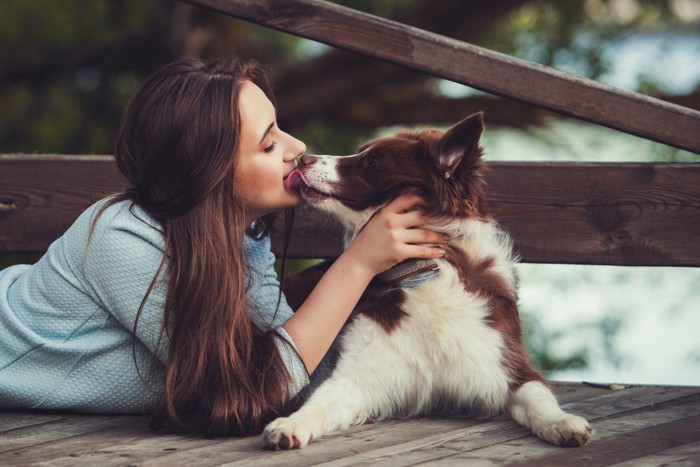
295, 180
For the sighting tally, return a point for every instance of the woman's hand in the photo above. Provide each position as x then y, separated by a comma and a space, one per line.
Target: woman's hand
392, 236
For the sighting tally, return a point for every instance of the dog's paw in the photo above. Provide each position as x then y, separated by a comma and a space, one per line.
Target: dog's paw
283, 433
569, 431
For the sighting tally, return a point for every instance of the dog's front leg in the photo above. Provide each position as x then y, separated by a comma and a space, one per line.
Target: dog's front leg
335, 405
534, 406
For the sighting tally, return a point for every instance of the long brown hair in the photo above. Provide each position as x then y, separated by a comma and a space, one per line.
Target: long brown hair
177, 146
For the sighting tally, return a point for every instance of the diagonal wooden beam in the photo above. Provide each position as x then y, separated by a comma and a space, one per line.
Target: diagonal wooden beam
473, 66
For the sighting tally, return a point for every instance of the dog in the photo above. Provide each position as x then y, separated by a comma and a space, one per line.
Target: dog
429, 336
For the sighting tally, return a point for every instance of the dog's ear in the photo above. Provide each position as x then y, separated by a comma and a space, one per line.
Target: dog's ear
460, 144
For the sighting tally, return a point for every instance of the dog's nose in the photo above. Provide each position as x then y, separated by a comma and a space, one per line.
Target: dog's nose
307, 160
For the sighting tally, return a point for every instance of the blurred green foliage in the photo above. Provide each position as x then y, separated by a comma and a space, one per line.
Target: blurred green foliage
68, 67
594, 341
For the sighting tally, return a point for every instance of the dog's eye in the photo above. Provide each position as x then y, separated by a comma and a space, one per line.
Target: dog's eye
374, 163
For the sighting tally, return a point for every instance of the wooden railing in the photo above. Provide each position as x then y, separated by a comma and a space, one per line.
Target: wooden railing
624, 214
477, 67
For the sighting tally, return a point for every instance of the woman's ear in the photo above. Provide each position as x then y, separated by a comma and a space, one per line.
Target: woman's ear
460, 145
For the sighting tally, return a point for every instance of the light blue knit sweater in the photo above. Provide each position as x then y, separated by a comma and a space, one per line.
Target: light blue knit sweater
66, 322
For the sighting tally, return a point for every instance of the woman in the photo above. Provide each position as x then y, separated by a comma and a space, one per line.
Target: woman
163, 298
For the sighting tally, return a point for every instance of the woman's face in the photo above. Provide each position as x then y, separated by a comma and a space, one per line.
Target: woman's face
266, 155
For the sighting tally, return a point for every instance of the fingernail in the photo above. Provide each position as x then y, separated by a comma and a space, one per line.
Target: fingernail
441, 251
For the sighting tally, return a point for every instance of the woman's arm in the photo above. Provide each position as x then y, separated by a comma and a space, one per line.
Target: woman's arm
122, 259
388, 238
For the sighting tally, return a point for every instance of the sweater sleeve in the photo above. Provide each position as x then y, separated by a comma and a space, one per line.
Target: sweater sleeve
122, 259
125, 253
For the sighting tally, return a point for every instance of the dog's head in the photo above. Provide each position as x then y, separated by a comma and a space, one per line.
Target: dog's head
445, 168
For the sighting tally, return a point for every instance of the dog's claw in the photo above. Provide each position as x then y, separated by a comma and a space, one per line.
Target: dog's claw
571, 431
281, 434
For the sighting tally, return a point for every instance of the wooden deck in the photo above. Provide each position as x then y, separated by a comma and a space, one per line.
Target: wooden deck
634, 426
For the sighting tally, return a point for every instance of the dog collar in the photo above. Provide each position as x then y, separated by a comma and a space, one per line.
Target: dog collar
416, 269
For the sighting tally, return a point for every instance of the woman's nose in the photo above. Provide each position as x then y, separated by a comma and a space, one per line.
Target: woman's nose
307, 160
300, 147
296, 148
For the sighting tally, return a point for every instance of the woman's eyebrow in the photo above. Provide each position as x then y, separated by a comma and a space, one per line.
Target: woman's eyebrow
269, 128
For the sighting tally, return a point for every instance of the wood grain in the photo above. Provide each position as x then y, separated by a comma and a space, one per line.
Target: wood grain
473, 66
626, 214
640, 421
635, 444
623, 214
42, 195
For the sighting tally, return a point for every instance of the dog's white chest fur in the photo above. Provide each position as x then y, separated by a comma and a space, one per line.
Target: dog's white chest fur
440, 356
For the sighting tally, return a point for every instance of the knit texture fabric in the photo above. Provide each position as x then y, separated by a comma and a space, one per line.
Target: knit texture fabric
66, 322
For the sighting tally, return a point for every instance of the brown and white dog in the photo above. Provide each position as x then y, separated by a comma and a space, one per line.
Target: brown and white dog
449, 343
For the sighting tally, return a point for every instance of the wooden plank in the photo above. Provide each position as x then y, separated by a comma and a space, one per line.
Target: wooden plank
569, 392
499, 442
113, 446
633, 398
496, 448
14, 420
473, 66
634, 444
66, 427
106, 440
686, 455
624, 214
42, 195
136, 443
344, 444
440, 443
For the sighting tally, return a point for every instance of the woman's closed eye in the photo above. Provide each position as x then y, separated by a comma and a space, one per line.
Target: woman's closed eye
270, 148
